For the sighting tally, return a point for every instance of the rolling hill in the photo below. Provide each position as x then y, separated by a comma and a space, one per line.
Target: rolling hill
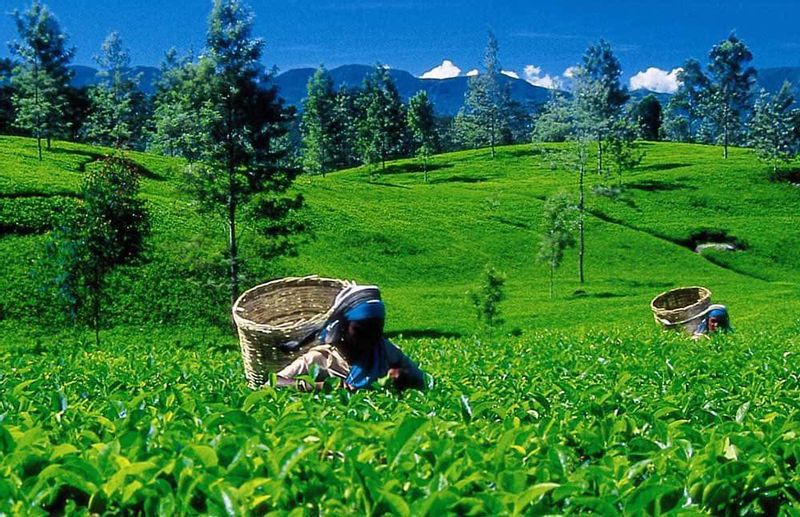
428, 244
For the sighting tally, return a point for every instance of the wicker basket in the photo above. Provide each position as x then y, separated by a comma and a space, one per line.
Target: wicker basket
282, 310
681, 308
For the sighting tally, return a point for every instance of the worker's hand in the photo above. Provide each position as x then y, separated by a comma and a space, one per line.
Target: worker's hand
399, 377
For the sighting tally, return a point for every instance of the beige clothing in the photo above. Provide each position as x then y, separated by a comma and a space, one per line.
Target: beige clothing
330, 362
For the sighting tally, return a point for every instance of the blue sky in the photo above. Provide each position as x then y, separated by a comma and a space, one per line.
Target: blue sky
545, 36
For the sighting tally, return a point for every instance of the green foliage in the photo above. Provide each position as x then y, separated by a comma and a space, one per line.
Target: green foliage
422, 124
623, 151
486, 299
727, 102
553, 123
382, 130
108, 231
112, 121
242, 170
41, 78
484, 118
547, 423
683, 117
317, 126
558, 225
648, 118
772, 134
35, 214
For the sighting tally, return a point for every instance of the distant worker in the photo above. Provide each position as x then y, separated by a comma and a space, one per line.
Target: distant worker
714, 319
353, 347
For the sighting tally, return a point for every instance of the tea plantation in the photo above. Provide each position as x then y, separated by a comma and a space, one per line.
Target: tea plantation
574, 405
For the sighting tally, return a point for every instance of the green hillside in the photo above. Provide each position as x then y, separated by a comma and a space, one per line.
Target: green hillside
426, 245
577, 405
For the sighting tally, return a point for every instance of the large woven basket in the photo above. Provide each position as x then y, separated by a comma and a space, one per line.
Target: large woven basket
681, 308
287, 309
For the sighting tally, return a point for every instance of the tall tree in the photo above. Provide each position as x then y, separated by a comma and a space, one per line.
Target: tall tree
242, 171
111, 120
554, 121
558, 223
382, 126
685, 111
484, 117
728, 100
6, 95
772, 127
422, 123
599, 94
344, 127
182, 112
648, 118
41, 78
317, 126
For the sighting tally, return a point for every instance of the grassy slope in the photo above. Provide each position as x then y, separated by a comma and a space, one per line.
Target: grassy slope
427, 245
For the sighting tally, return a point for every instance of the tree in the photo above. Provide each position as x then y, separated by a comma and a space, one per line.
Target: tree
111, 121
182, 112
487, 298
648, 118
622, 149
558, 223
554, 121
598, 93
344, 126
772, 127
685, 111
110, 230
242, 170
382, 125
6, 96
422, 123
317, 126
484, 117
727, 101
41, 77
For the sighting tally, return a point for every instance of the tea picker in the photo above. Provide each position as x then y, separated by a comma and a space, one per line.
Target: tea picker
690, 309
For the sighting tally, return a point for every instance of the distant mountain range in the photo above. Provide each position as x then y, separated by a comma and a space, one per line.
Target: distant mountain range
447, 95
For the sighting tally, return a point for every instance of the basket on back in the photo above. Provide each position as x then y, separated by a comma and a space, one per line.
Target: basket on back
288, 309
681, 308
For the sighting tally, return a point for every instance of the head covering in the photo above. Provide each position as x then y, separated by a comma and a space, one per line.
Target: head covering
358, 303
353, 303
719, 313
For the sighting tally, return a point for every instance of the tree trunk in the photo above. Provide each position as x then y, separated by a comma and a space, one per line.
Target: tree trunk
233, 251
725, 138
581, 207
96, 308
599, 153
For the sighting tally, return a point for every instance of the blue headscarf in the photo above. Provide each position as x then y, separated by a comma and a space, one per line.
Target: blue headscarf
720, 313
359, 303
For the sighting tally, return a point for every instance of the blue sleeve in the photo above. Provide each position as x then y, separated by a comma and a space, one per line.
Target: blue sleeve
397, 359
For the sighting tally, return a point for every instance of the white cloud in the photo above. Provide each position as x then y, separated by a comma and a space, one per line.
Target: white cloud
472, 73
510, 73
569, 73
533, 74
446, 70
657, 80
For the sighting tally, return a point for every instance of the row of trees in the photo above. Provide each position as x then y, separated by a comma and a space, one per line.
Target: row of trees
371, 124
342, 128
719, 105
